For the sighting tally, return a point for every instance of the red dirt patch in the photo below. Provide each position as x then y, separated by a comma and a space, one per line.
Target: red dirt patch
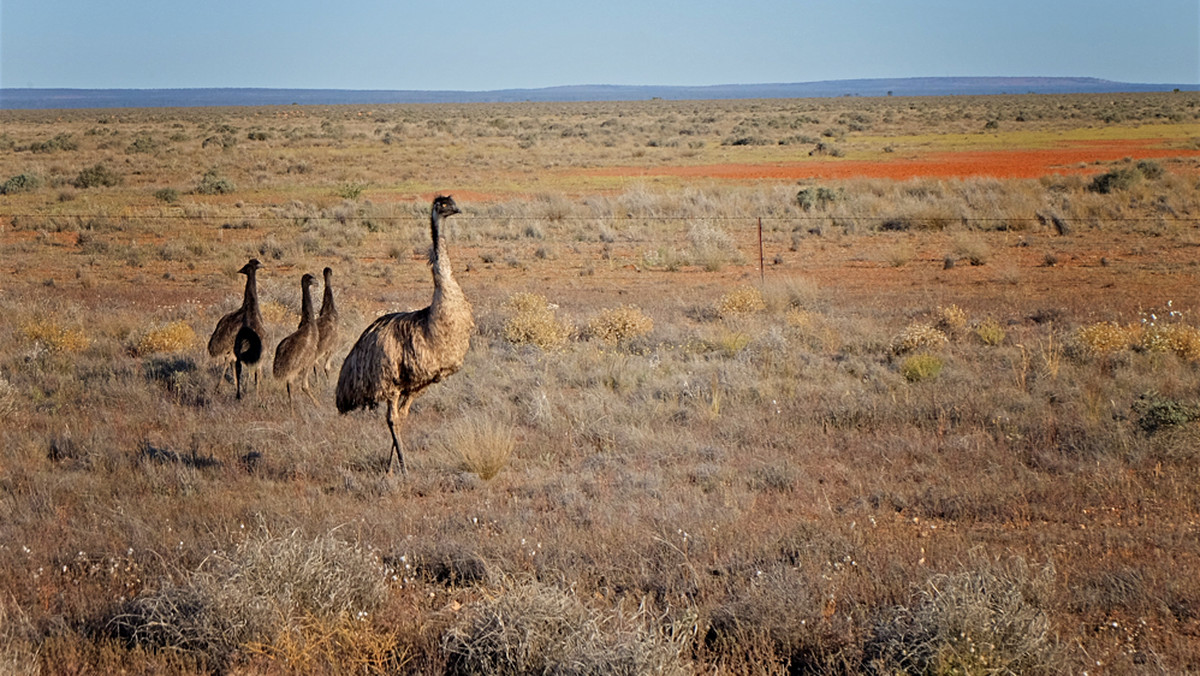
1070, 158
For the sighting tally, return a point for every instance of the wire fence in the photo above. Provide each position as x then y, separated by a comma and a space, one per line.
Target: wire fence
964, 220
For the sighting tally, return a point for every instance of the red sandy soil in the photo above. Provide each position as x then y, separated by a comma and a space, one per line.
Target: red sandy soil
1070, 158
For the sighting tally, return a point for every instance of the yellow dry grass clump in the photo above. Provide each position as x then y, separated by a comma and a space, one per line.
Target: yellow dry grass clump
534, 322
741, 301
174, 337
951, 320
482, 446
614, 325
1181, 339
1104, 338
55, 337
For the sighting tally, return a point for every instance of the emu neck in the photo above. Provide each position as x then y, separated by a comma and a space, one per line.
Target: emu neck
445, 290
250, 298
306, 305
327, 307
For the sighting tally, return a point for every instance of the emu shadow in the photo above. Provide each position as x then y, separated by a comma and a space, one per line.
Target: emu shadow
180, 378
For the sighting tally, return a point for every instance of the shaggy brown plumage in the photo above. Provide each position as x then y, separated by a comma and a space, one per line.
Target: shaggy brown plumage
239, 336
327, 326
401, 354
297, 353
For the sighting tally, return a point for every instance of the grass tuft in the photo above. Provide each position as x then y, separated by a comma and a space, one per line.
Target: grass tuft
991, 620
481, 445
54, 337
741, 301
174, 337
918, 336
619, 324
534, 628
532, 321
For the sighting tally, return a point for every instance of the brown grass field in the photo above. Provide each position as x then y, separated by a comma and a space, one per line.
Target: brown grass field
950, 427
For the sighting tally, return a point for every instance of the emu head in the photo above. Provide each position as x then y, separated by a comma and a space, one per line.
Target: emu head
250, 267
443, 206
308, 280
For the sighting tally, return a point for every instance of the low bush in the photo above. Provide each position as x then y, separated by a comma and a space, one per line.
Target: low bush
918, 336
991, 620
1155, 412
55, 337
619, 324
20, 183
267, 585
921, 367
533, 628
97, 176
817, 197
174, 337
213, 183
990, 332
481, 446
741, 301
532, 321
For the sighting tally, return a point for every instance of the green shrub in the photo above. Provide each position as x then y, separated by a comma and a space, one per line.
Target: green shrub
921, 367
990, 332
212, 183
811, 198
20, 183
168, 195
1150, 169
1156, 412
142, 144
97, 176
1116, 179
59, 142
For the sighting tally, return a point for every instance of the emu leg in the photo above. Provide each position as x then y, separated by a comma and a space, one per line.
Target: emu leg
237, 377
397, 410
308, 391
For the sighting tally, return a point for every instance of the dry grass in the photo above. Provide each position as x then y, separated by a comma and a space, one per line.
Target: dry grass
176, 336
757, 489
619, 324
741, 301
918, 336
531, 628
533, 321
481, 445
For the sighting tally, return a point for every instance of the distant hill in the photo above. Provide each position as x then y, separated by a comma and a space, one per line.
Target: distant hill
18, 99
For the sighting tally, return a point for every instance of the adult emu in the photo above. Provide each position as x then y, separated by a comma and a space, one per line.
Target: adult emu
327, 327
239, 336
402, 353
296, 354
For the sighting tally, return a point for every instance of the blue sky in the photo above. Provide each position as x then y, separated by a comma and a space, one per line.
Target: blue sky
482, 45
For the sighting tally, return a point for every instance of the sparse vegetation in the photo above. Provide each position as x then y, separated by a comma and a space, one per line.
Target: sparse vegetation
920, 367
653, 460
533, 321
97, 176
619, 324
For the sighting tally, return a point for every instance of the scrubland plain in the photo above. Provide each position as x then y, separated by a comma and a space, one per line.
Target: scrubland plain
950, 427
